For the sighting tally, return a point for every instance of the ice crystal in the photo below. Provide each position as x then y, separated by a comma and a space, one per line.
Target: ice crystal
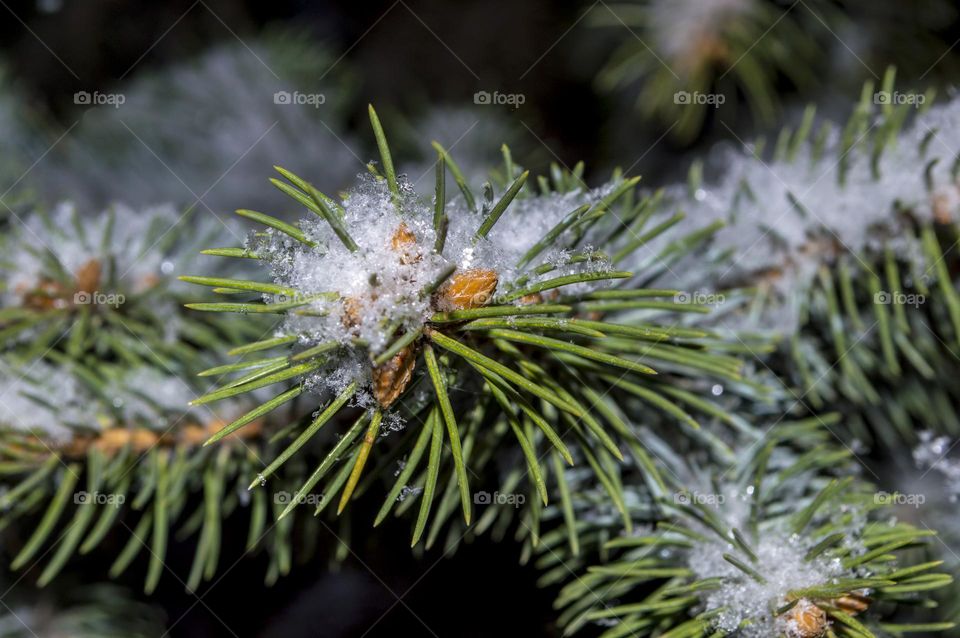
407, 491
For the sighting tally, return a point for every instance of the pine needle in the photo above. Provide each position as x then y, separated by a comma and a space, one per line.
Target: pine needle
368, 440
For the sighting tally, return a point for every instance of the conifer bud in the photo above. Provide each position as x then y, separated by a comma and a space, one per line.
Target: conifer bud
393, 377
805, 620
471, 288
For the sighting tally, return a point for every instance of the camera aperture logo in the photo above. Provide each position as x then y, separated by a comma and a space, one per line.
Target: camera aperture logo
286, 498
97, 298
499, 498
686, 98
896, 498
896, 98
514, 100
98, 498
294, 298
699, 298
300, 99
86, 98
699, 498
896, 298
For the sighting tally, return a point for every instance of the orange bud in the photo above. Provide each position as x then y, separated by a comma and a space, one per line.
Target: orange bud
393, 377
46, 295
852, 603
806, 620
468, 289
941, 208
352, 311
405, 243
113, 440
251, 429
88, 276
193, 434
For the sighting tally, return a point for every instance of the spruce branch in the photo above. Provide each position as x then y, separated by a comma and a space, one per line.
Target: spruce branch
386, 280
772, 579
97, 365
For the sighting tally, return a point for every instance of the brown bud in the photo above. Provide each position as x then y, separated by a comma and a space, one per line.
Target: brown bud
941, 208
193, 434
468, 289
805, 620
49, 294
393, 377
250, 430
77, 446
852, 603
113, 440
705, 49
88, 276
352, 311
148, 282
405, 243
46, 295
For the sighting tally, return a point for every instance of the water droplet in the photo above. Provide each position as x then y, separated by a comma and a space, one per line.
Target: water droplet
262, 479
166, 267
716, 390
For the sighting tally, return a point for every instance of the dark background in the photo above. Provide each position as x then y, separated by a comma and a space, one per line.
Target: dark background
406, 55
